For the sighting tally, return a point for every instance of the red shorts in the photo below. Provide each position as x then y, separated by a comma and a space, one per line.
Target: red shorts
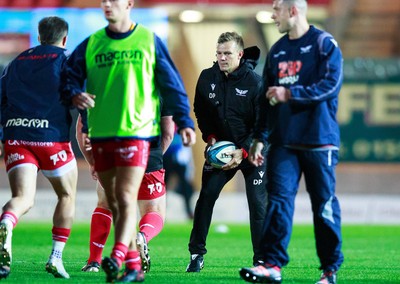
153, 185
125, 153
54, 159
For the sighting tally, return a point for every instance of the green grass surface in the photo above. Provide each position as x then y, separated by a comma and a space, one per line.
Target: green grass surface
372, 255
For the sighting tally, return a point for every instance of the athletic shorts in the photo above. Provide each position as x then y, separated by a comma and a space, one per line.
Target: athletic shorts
125, 153
54, 159
153, 185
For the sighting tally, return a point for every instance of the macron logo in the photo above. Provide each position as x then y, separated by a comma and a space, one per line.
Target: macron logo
25, 122
261, 173
212, 87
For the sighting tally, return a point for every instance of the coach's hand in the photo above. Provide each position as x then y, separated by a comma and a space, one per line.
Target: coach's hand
211, 141
237, 158
255, 155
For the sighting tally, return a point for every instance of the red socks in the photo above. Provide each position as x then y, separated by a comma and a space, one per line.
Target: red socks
133, 261
60, 234
119, 253
151, 225
99, 230
9, 216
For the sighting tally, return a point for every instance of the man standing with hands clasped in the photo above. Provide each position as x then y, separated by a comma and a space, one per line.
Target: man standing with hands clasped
225, 105
115, 77
302, 76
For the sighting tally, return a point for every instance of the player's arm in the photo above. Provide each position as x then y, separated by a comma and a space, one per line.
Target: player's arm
3, 102
84, 142
330, 68
85, 146
167, 132
173, 92
73, 78
205, 117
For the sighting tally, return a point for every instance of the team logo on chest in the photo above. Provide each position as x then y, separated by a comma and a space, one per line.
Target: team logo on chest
241, 93
289, 72
305, 49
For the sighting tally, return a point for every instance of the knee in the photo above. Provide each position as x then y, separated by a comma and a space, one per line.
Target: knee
67, 196
208, 194
123, 201
20, 203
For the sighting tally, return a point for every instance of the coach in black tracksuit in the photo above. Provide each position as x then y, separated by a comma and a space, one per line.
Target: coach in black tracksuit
225, 106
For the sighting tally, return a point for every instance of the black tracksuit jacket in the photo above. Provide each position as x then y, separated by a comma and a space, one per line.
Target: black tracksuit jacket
225, 107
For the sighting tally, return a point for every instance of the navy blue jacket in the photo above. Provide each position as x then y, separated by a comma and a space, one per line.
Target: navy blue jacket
31, 109
312, 68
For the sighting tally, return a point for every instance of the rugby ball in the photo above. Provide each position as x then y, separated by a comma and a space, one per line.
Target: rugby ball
216, 154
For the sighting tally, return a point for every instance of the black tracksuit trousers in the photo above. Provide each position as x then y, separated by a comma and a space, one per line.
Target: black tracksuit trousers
213, 181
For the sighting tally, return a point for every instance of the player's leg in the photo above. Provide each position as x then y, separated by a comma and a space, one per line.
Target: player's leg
184, 167
213, 180
153, 216
185, 186
283, 176
152, 207
320, 177
100, 226
111, 265
22, 181
22, 168
179, 174
127, 183
64, 182
121, 176
126, 190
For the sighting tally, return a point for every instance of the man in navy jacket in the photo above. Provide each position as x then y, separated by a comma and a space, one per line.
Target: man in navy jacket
302, 76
